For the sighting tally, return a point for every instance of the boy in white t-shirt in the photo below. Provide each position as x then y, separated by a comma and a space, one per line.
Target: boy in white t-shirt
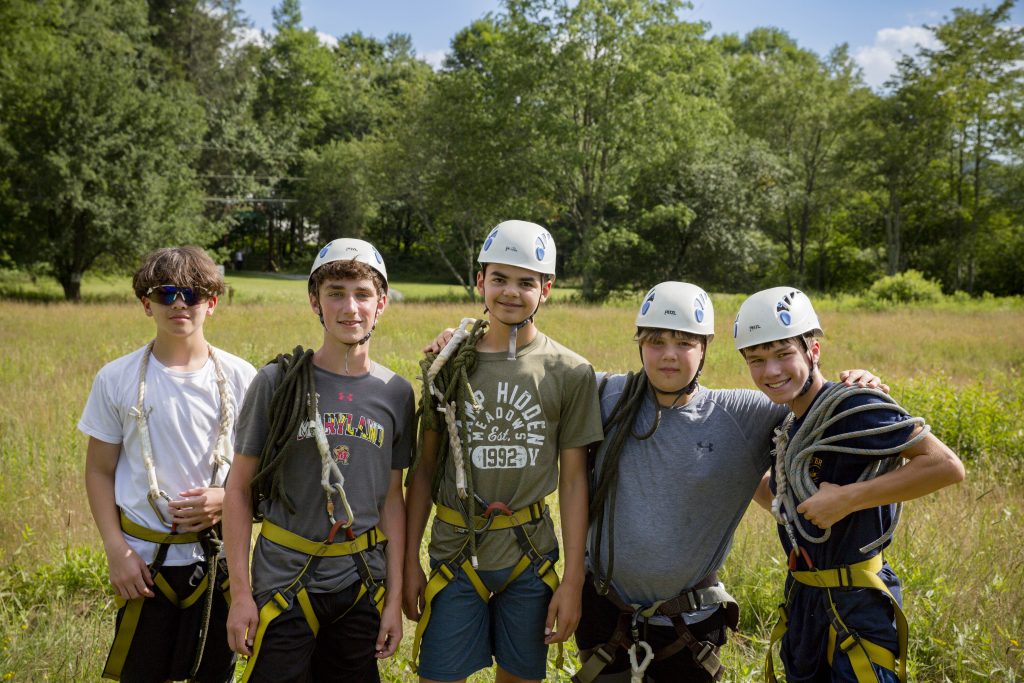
160, 422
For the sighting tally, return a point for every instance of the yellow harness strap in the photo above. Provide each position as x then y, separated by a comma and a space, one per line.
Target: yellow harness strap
444, 572
133, 608
281, 600
862, 653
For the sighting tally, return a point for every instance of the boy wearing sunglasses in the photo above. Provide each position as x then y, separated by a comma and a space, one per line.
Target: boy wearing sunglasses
160, 423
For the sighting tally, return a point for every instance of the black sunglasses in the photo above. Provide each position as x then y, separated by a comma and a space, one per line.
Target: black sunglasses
166, 294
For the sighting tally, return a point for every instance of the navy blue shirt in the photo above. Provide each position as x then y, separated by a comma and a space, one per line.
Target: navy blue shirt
865, 611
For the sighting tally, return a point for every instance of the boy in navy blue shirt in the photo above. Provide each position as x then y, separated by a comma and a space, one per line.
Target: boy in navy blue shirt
835, 489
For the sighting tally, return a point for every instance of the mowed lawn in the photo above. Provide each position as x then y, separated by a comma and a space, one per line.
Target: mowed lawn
959, 551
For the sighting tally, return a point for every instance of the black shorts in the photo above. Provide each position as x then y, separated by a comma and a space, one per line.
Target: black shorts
166, 637
342, 651
598, 623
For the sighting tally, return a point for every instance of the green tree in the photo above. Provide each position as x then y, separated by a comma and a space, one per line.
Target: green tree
801, 107
103, 150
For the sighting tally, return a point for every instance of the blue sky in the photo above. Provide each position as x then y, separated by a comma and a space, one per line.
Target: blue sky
876, 30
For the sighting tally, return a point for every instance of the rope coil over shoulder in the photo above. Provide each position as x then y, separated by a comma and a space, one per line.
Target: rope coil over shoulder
794, 484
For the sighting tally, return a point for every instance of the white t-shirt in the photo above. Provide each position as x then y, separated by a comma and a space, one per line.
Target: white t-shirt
184, 413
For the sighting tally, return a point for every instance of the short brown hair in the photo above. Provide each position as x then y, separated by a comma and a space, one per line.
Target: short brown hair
346, 269
806, 338
182, 266
648, 334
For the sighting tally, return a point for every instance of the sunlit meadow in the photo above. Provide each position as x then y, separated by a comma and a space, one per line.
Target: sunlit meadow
959, 551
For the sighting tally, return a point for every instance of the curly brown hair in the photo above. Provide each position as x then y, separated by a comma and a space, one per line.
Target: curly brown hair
346, 269
182, 266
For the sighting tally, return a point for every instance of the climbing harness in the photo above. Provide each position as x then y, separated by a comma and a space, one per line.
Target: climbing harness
495, 517
283, 599
204, 589
158, 498
862, 652
794, 484
626, 635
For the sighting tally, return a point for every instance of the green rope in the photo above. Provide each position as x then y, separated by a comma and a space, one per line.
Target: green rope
289, 408
620, 426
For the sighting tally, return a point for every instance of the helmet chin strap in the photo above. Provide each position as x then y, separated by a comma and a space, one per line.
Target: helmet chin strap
814, 366
352, 345
514, 330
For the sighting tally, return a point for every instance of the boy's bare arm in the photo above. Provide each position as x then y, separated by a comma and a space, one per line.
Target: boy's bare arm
242, 616
129, 574
417, 511
565, 609
932, 466
392, 523
763, 493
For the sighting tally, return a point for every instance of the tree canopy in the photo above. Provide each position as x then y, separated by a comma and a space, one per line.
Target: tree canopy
649, 149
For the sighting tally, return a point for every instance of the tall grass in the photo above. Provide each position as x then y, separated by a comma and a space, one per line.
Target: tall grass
959, 551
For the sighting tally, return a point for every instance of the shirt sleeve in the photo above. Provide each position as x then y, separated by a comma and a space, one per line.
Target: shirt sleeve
100, 418
580, 422
253, 418
405, 432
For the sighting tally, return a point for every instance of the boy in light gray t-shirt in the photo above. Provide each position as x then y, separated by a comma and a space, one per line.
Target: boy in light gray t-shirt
670, 483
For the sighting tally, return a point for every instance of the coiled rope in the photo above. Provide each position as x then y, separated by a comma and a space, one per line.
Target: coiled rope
293, 403
621, 425
793, 456
446, 390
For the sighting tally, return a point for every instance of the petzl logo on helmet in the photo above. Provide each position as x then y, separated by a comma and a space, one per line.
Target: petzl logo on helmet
698, 310
490, 239
540, 248
323, 252
376, 255
647, 303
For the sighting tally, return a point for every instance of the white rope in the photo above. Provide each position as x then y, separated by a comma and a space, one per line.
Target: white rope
328, 466
637, 669
158, 498
449, 410
793, 456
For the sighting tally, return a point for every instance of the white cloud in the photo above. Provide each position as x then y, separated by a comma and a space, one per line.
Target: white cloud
247, 35
879, 60
435, 58
327, 39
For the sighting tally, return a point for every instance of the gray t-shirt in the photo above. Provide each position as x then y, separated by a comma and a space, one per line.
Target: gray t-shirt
370, 425
533, 407
682, 492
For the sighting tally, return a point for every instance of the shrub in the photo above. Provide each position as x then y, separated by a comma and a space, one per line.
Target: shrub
906, 287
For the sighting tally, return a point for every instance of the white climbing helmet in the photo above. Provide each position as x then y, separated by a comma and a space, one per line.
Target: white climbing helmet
774, 314
349, 248
678, 306
522, 244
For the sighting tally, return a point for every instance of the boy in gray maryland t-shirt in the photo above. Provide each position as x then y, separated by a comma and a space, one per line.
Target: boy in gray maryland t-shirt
677, 469
323, 438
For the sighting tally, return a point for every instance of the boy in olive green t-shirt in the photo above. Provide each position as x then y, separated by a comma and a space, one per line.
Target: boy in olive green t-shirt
521, 433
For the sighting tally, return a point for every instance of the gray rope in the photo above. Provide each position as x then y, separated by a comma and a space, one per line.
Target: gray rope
794, 483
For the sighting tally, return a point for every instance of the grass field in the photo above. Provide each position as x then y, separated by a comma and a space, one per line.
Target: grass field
959, 552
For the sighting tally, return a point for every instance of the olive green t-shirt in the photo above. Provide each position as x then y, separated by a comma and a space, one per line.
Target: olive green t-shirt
543, 401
